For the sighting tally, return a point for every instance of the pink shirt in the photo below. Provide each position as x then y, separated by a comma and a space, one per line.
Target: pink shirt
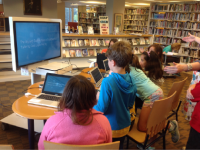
60, 128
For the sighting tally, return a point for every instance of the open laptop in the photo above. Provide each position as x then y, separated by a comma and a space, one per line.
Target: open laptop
54, 85
97, 76
105, 63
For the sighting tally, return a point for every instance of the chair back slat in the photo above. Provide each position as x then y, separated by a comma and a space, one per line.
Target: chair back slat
6, 147
50, 145
176, 86
158, 115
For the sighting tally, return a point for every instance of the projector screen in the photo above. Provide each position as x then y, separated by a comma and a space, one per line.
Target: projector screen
34, 40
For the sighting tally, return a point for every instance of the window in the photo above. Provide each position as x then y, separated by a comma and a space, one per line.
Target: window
71, 15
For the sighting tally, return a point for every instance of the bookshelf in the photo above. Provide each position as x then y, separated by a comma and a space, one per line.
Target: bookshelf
136, 20
74, 46
91, 18
170, 22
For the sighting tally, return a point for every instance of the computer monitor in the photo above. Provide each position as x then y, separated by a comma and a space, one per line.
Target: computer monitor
100, 59
34, 40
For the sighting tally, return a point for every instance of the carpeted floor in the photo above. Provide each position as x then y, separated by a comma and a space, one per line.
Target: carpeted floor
10, 91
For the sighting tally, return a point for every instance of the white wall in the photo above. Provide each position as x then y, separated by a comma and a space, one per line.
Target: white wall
16, 8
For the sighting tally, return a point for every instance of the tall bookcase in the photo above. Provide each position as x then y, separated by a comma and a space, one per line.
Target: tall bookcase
91, 18
136, 20
170, 22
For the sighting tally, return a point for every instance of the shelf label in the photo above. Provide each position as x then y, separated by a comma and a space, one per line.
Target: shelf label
104, 25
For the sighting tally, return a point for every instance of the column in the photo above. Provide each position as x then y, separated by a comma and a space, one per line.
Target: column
112, 7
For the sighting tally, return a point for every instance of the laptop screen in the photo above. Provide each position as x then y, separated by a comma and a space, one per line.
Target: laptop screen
55, 84
106, 65
96, 75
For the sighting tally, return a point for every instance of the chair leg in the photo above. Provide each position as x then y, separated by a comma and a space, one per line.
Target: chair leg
178, 110
164, 147
127, 142
145, 142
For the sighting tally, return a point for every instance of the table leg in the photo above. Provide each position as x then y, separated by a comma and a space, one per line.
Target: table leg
45, 121
31, 133
35, 78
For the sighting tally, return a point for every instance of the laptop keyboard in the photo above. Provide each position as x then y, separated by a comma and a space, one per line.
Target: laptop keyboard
48, 97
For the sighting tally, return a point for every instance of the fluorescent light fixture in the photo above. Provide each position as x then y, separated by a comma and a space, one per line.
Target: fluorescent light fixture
140, 4
92, 2
174, 1
74, 4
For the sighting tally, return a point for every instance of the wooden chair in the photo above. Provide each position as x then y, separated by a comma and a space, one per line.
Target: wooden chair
156, 124
176, 86
6, 147
57, 146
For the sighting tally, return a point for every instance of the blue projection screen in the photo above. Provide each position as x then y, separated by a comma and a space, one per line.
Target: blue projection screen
36, 41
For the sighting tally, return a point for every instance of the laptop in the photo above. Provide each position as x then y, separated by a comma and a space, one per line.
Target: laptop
53, 88
97, 76
105, 63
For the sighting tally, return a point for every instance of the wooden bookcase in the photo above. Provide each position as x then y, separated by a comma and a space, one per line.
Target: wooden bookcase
170, 22
136, 19
91, 18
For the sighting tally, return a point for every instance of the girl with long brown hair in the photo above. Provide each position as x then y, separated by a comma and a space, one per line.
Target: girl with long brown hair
76, 122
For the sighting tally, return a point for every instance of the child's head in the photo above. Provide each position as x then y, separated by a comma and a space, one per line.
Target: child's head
78, 96
175, 46
135, 62
119, 55
150, 62
112, 41
158, 49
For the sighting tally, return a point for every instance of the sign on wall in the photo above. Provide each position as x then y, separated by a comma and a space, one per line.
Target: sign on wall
104, 25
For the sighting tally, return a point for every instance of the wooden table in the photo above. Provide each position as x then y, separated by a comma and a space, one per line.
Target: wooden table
31, 112
85, 73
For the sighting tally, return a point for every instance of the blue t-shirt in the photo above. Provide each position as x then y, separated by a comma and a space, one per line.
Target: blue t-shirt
117, 94
145, 87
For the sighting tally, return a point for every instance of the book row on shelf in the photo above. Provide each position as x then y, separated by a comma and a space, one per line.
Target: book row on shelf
88, 21
177, 7
169, 32
138, 28
101, 9
166, 40
136, 11
169, 41
176, 16
85, 27
86, 15
176, 25
91, 52
136, 17
131, 22
102, 42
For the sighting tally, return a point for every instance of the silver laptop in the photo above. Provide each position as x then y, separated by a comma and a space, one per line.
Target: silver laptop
54, 85
97, 76
106, 66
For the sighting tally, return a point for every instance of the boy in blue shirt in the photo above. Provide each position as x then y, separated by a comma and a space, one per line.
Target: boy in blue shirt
117, 91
